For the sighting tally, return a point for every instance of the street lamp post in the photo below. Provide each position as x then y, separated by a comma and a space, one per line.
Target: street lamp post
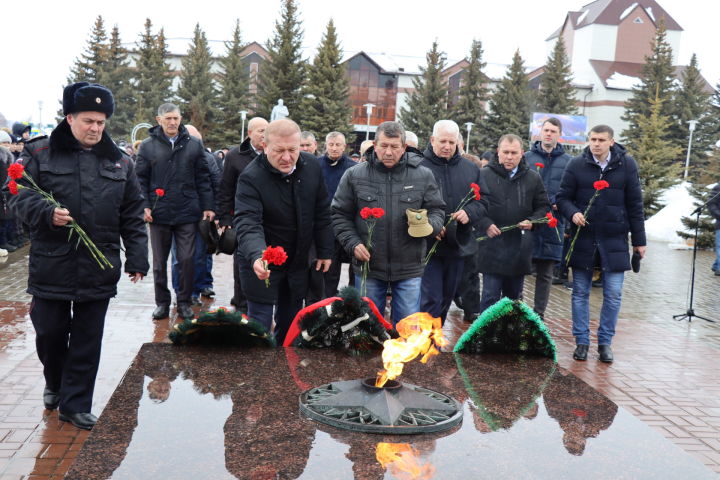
368, 111
243, 116
469, 126
692, 124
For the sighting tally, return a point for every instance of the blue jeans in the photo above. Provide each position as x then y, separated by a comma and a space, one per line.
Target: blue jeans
496, 287
203, 267
405, 295
716, 265
612, 296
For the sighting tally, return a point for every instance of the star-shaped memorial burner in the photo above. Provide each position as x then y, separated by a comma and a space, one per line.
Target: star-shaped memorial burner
397, 408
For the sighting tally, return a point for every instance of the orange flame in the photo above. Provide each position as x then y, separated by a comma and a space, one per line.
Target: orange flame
419, 333
401, 459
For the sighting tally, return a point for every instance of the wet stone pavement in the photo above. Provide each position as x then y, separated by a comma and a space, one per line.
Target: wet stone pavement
664, 375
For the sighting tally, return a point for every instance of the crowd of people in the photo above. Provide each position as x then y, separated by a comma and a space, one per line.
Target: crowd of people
416, 226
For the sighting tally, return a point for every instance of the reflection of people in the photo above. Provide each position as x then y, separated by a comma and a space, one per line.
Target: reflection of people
90, 176
580, 411
603, 242
279, 111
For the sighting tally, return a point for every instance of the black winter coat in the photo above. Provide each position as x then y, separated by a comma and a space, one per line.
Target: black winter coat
511, 200
101, 191
291, 211
615, 212
395, 255
236, 161
454, 177
181, 170
714, 205
547, 245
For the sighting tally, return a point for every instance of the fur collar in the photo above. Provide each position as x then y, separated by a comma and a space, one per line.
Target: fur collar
62, 139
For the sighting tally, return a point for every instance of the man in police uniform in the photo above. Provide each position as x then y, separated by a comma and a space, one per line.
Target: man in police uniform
96, 185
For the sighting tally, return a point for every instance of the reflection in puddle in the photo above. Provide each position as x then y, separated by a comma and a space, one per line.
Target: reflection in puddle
173, 418
402, 460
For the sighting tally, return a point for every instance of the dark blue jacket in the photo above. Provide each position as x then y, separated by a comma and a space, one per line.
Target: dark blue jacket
181, 170
333, 172
546, 244
617, 210
454, 177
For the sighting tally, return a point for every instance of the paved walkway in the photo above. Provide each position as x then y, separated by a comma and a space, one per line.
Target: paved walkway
665, 371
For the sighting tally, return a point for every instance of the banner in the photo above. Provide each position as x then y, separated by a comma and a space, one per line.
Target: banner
574, 131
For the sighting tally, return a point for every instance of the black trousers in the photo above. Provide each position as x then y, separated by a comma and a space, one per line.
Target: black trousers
239, 301
161, 237
68, 341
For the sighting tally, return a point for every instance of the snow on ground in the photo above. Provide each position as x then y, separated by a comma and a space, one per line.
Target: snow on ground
662, 226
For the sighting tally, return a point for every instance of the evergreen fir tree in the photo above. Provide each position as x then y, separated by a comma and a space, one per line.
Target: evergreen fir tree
92, 61
692, 103
153, 76
472, 95
233, 96
510, 106
428, 103
709, 125
655, 153
557, 94
117, 76
706, 230
282, 76
656, 79
325, 103
197, 91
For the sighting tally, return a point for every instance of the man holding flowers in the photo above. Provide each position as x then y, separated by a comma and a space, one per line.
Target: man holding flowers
517, 199
281, 207
463, 208
600, 192
77, 181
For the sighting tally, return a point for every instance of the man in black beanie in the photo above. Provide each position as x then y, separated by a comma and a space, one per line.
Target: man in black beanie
96, 184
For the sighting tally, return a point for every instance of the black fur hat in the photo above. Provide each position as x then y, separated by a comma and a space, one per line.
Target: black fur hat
88, 97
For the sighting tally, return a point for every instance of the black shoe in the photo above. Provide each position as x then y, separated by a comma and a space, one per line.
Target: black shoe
51, 399
557, 281
470, 317
184, 311
207, 292
581, 353
9, 247
195, 300
606, 354
86, 421
717, 273
161, 311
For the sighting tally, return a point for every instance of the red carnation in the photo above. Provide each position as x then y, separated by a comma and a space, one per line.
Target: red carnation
549, 215
366, 212
159, 192
552, 222
12, 185
600, 185
378, 212
15, 171
476, 190
273, 256
539, 165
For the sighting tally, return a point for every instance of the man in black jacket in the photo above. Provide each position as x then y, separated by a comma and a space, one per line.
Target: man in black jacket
396, 182
516, 195
454, 174
602, 242
175, 182
97, 186
235, 162
281, 201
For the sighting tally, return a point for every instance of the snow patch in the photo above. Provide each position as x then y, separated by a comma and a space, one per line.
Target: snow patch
627, 11
622, 82
582, 17
662, 226
650, 13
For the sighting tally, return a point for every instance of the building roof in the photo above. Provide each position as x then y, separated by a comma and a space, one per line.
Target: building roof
613, 12
625, 75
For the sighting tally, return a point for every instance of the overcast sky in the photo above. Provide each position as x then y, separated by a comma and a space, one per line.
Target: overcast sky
40, 45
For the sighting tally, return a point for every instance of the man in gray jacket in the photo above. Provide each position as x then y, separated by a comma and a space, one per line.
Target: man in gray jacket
394, 181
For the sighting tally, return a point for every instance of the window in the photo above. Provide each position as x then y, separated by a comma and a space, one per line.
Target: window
638, 20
